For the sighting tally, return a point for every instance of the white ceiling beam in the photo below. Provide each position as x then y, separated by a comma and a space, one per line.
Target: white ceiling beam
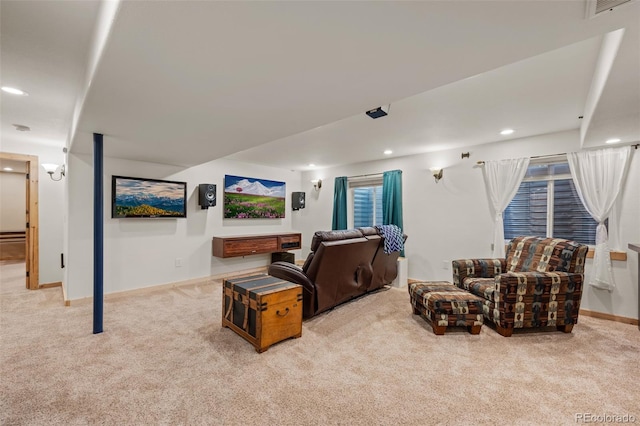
104, 23
608, 51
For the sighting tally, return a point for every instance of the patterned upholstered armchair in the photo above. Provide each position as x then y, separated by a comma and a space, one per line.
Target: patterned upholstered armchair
539, 284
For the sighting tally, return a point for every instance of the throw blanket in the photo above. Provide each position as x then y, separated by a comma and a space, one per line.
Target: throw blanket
393, 239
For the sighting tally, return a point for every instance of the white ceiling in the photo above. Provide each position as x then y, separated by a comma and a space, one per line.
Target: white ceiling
287, 83
43, 51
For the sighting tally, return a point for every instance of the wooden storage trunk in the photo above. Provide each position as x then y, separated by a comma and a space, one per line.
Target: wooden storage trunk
262, 309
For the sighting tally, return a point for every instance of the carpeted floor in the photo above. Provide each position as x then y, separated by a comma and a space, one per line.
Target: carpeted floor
164, 359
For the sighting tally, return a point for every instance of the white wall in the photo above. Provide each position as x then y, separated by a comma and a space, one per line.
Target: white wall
12, 201
444, 221
623, 300
51, 206
142, 252
451, 219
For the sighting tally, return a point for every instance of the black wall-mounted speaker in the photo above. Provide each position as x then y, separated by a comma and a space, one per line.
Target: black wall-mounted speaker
206, 195
297, 200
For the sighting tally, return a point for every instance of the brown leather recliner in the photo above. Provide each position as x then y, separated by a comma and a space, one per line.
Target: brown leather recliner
342, 265
385, 265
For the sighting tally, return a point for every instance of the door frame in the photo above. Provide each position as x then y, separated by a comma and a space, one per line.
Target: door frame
32, 227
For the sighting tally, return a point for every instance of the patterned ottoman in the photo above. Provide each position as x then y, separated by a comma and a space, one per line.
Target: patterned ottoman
443, 304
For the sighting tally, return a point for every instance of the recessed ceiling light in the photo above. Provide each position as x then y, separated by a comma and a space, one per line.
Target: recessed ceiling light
613, 140
506, 132
311, 165
387, 152
21, 128
14, 91
7, 169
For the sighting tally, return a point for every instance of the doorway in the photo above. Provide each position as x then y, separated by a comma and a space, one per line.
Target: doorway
31, 225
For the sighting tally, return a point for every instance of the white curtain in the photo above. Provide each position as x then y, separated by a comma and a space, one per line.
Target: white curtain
598, 177
502, 179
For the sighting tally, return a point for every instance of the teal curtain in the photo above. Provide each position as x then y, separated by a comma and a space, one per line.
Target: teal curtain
392, 199
340, 203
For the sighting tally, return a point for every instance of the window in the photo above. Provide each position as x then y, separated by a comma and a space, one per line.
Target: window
547, 205
367, 206
365, 201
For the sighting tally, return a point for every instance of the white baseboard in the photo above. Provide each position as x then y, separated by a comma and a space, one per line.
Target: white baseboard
210, 279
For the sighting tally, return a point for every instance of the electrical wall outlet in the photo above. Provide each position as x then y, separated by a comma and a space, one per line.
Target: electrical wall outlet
178, 262
445, 264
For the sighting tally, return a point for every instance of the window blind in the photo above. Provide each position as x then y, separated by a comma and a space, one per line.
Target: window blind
527, 212
367, 206
570, 219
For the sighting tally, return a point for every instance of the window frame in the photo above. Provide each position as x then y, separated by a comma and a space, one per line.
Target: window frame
359, 182
550, 179
560, 159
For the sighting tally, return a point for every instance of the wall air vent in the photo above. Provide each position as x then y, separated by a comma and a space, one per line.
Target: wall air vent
596, 7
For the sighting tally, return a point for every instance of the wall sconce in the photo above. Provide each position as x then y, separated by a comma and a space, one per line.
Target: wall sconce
317, 184
51, 168
437, 173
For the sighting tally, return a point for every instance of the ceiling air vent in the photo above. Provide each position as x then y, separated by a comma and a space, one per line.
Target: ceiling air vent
596, 7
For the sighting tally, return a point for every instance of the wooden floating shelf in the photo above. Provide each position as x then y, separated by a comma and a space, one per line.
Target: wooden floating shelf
246, 245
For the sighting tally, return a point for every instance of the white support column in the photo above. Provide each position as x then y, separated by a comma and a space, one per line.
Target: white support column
403, 271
